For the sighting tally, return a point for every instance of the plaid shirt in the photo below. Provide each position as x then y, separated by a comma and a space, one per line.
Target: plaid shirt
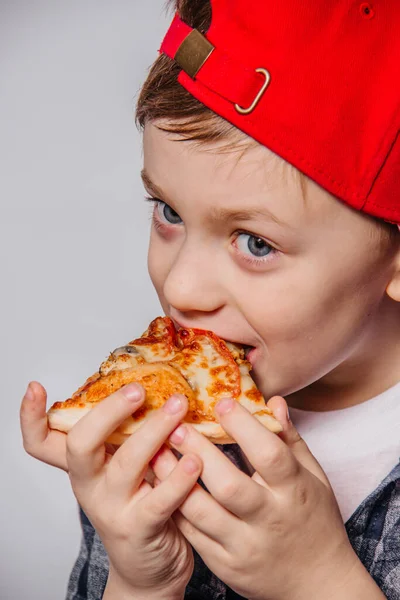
373, 530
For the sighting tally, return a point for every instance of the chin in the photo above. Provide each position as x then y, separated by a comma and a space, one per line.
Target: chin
261, 374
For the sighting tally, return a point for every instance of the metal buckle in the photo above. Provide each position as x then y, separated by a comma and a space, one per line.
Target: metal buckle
246, 111
193, 53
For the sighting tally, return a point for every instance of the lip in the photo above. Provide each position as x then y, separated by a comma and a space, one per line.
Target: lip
178, 325
252, 355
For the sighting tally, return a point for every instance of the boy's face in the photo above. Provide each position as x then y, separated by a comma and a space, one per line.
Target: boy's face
238, 249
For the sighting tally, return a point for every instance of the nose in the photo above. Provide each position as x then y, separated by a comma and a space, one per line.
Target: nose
195, 282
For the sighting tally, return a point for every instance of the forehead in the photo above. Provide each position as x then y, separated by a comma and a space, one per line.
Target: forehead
209, 176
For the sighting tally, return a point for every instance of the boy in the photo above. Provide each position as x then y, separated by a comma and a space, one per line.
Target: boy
275, 226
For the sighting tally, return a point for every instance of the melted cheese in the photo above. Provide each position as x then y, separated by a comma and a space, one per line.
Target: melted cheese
190, 361
211, 373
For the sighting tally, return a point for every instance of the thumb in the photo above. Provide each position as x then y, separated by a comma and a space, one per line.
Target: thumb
293, 439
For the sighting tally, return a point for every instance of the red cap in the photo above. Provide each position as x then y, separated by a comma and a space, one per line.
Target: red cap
318, 83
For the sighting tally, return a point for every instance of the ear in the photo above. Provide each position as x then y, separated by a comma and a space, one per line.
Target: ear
393, 287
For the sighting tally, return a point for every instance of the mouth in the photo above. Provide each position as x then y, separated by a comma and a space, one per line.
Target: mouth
248, 350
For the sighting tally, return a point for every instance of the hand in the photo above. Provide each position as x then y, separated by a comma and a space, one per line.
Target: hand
147, 553
278, 534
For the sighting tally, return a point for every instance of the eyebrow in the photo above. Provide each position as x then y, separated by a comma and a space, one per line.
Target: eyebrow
151, 187
217, 213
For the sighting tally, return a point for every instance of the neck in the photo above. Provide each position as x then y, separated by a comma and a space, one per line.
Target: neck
372, 368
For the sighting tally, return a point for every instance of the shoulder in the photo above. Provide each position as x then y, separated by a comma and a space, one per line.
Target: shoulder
373, 531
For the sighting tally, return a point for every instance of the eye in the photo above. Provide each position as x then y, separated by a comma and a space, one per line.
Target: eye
254, 245
166, 214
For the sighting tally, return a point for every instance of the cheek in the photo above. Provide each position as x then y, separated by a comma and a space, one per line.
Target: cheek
314, 298
311, 325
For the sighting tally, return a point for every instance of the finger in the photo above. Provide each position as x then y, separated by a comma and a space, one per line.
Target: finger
129, 464
199, 508
86, 451
39, 441
163, 462
166, 497
232, 488
269, 455
294, 441
204, 545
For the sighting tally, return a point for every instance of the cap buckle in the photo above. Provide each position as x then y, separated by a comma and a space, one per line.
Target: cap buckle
246, 111
193, 53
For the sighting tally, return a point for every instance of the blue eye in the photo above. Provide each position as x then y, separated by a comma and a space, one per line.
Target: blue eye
257, 246
166, 214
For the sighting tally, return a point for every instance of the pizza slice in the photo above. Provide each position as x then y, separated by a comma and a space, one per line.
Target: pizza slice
165, 361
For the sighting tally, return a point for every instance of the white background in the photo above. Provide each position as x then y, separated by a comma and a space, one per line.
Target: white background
73, 235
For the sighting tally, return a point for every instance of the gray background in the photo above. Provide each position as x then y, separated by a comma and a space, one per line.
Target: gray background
73, 235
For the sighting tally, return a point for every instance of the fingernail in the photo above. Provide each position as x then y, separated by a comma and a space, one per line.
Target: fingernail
173, 405
224, 406
178, 435
190, 466
288, 415
132, 392
29, 393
